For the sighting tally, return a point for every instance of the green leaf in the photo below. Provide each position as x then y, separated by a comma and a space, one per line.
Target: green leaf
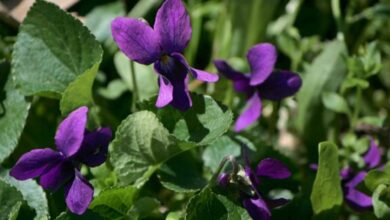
205, 206
145, 76
10, 201
144, 207
182, 174
381, 209
327, 195
375, 178
141, 144
31, 192
86, 216
235, 212
215, 152
13, 114
52, 51
99, 19
325, 73
114, 202
202, 124
335, 102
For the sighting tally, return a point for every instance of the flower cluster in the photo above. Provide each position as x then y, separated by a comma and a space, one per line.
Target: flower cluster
76, 146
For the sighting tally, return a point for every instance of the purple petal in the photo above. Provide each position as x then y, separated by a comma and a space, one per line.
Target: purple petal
93, 151
165, 94
56, 176
358, 200
34, 163
257, 209
355, 198
173, 26
240, 80
204, 76
313, 166
356, 180
273, 169
78, 194
181, 96
174, 68
197, 74
250, 114
346, 173
279, 85
136, 39
252, 176
70, 133
223, 180
373, 156
262, 59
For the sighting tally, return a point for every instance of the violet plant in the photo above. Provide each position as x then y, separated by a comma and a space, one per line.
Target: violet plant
265, 78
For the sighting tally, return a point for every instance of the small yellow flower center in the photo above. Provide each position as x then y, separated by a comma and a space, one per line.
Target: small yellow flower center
165, 59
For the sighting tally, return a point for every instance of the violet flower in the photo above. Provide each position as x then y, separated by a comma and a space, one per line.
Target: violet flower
76, 145
258, 206
350, 179
162, 45
262, 83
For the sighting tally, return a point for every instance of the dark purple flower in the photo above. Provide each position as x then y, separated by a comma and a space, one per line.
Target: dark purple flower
76, 146
258, 207
357, 200
162, 45
262, 83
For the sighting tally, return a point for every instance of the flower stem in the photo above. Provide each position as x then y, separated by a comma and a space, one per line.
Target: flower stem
135, 86
339, 20
356, 112
230, 159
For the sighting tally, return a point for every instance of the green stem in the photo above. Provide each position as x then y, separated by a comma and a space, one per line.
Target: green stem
230, 159
339, 20
356, 112
135, 86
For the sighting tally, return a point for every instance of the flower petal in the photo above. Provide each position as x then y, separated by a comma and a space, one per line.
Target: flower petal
273, 169
250, 114
356, 180
262, 59
56, 176
257, 208
94, 149
175, 68
173, 26
34, 163
136, 39
78, 194
204, 76
358, 200
165, 94
280, 84
197, 74
240, 80
181, 96
373, 155
70, 133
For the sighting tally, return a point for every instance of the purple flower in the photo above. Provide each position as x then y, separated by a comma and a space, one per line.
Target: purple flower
257, 205
75, 145
162, 45
357, 200
262, 83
